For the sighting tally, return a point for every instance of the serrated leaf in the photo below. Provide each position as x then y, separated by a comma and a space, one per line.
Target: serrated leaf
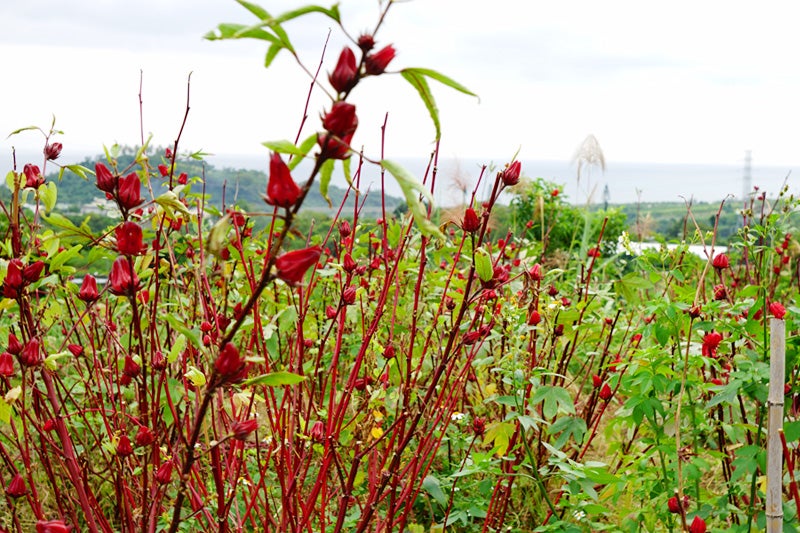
284, 147
275, 379
412, 188
325, 174
499, 434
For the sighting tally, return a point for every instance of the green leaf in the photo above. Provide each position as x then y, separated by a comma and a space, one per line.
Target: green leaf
412, 188
304, 148
170, 202
419, 83
332, 12
49, 195
218, 236
556, 400
275, 379
57, 262
255, 9
196, 376
5, 411
432, 487
441, 78
79, 170
792, 431
272, 52
483, 265
13, 177
325, 174
26, 128
179, 326
177, 348
285, 147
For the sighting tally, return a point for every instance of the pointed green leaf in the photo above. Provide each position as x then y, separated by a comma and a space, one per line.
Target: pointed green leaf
196, 376
483, 265
218, 236
304, 148
5, 411
419, 83
49, 195
284, 147
332, 12
57, 262
275, 379
170, 202
180, 327
433, 487
255, 9
26, 128
412, 188
441, 78
325, 174
272, 52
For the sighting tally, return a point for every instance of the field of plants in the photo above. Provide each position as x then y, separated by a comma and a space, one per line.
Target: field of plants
432, 371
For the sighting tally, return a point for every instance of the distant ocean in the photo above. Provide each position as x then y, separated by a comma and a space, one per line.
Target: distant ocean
626, 182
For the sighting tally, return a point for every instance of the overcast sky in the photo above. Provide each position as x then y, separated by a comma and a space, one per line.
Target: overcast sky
679, 81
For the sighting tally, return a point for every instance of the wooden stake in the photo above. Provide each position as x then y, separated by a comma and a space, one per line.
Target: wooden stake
777, 373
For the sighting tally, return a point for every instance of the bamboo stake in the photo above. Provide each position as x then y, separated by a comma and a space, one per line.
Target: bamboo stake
777, 363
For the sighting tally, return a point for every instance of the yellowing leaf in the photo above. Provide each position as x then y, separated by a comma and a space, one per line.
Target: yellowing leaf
218, 236
170, 202
194, 375
13, 394
376, 432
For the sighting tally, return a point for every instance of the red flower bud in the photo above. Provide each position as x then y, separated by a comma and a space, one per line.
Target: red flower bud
131, 368
159, 361
376, 63
49, 425
75, 349
341, 120
14, 278
720, 262
673, 504
478, 426
331, 312
534, 318
144, 437
349, 296
31, 354
596, 381
471, 222
33, 272
52, 151
510, 175
183, 179
720, 292
6, 364
777, 310
345, 229
228, 362
124, 447
281, 188
536, 272
606, 392
366, 42
106, 181
345, 76
130, 191
164, 473
16, 487
14, 346
698, 525
552, 291
88, 291
349, 263
593, 252
318, 431
334, 148
163, 170
52, 526
123, 281
33, 176
711, 342
241, 430
292, 266
129, 238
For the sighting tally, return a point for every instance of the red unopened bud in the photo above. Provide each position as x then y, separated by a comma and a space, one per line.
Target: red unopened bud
720, 293
33, 176
183, 179
596, 381
345, 229
331, 312
124, 447
349, 296
376, 63
471, 222
31, 354
16, 487
164, 473
594, 252
349, 263
552, 291
478, 426
32, 272
129, 238
778, 310
14, 278
14, 346
163, 170
52, 526
144, 437
122, 281
52, 151
366, 42
510, 175
159, 361
106, 181
606, 392
698, 525
75, 349
49, 425
241, 430
534, 318
721, 262
6, 364
88, 290
341, 120
292, 266
228, 362
345, 76
673, 504
131, 368
130, 191
282, 191
318, 431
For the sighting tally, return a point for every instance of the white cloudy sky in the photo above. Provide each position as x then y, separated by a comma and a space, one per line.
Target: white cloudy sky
679, 81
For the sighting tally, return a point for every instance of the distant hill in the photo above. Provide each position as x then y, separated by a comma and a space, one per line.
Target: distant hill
243, 187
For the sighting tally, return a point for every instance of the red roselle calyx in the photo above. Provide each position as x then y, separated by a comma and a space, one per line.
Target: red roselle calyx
52, 151
6, 364
131, 367
349, 263
281, 188
341, 120
376, 63
122, 280
349, 296
16, 487
52, 526
720, 262
124, 447
106, 181
471, 222
778, 310
345, 76
130, 191
129, 238
478, 426
14, 346
33, 176
510, 175
605, 392
228, 363
32, 272
318, 431
75, 349
88, 291
164, 473
698, 525
241, 430
144, 437
366, 42
292, 266
31, 354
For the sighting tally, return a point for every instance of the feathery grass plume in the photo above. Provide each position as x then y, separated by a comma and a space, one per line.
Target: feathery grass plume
588, 155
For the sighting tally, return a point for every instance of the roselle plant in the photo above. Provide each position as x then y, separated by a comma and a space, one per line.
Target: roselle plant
201, 367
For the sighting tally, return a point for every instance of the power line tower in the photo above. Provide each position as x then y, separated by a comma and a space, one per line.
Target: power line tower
747, 177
